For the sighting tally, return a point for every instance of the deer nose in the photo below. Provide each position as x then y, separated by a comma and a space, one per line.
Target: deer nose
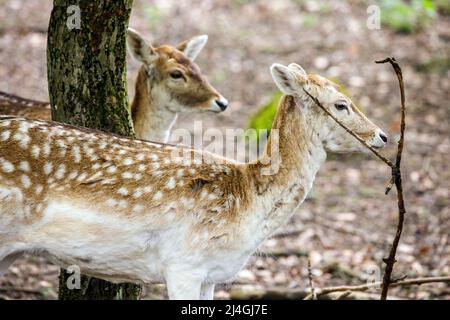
222, 103
383, 137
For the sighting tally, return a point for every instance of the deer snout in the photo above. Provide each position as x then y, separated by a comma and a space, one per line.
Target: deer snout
380, 139
220, 105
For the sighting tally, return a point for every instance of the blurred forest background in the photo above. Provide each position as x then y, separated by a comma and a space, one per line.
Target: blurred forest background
347, 223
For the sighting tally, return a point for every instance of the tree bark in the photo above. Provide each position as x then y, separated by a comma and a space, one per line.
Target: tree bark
87, 85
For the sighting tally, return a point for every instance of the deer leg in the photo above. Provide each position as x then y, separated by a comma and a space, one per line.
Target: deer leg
183, 286
207, 291
7, 261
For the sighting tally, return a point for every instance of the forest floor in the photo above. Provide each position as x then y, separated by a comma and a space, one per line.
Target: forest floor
346, 225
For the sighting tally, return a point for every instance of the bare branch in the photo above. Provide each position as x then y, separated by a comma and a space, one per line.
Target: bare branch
311, 281
248, 292
397, 180
417, 281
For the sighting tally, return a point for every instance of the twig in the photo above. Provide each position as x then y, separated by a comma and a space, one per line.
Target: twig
364, 287
20, 290
344, 295
397, 180
351, 132
250, 292
311, 282
396, 177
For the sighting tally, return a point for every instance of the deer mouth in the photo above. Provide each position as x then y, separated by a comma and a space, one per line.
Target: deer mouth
219, 105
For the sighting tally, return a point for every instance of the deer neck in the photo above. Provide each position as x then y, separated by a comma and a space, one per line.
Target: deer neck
152, 119
300, 155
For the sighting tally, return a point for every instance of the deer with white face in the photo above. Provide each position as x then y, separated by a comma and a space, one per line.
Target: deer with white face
125, 210
168, 83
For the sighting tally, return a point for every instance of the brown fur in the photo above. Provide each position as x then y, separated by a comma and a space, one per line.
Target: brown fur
15, 105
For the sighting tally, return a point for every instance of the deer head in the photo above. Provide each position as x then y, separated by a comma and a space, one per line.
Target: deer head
174, 76
293, 80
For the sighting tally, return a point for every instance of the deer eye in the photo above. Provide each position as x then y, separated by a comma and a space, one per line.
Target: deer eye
341, 106
176, 74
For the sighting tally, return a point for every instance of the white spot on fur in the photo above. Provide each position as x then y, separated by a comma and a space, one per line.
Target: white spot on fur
158, 196
23, 127
123, 204
35, 151
7, 166
60, 143
73, 175
60, 172
48, 168
24, 166
157, 173
76, 153
112, 169
46, 150
111, 202
171, 183
138, 208
96, 175
23, 139
180, 173
82, 177
155, 166
128, 161
39, 188
5, 135
123, 191
137, 193
203, 194
127, 175
26, 182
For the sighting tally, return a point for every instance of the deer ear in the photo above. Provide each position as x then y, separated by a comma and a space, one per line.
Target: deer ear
297, 68
191, 48
139, 48
285, 79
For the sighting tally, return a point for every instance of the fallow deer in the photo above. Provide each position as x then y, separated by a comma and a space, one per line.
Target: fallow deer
14, 105
129, 210
168, 83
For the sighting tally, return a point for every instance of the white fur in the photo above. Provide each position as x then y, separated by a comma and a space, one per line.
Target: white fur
157, 125
284, 79
164, 242
195, 46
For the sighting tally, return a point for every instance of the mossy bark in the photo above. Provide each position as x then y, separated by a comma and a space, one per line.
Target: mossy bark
87, 86
87, 66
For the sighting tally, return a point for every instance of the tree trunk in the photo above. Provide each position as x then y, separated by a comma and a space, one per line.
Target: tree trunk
86, 57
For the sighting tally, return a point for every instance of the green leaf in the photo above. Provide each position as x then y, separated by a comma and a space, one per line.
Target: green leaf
263, 119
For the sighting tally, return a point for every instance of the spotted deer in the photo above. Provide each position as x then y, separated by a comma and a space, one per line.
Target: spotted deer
130, 210
14, 105
168, 83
